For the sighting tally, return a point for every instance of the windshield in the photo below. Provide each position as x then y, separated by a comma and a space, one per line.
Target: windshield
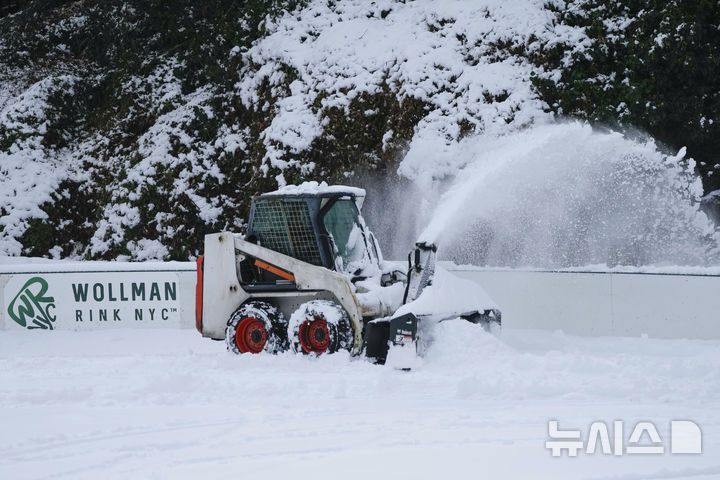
342, 222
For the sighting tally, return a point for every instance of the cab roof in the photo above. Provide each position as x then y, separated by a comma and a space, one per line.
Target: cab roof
317, 189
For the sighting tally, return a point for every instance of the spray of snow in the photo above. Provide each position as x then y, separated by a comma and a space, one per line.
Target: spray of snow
562, 195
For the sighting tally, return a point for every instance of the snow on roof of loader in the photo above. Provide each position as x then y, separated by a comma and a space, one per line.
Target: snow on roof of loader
315, 188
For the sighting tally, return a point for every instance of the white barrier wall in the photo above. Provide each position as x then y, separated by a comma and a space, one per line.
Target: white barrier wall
618, 304
100, 295
97, 295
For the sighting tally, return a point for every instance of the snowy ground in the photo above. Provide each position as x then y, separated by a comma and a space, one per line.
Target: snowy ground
169, 404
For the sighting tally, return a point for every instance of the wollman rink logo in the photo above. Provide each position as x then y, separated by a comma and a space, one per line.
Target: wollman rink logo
92, 300
31, 307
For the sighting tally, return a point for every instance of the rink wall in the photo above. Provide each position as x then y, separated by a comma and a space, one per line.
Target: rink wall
605, 303
97, 295
101, 295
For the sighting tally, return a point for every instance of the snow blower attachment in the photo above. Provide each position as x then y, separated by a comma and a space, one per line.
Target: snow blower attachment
309, 277
402, 331
421, 268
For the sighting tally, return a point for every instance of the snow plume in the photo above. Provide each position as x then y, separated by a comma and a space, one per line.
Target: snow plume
393, 210
564, 195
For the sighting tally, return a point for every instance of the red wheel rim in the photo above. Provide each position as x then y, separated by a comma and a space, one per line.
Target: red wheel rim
250, 335
314, 335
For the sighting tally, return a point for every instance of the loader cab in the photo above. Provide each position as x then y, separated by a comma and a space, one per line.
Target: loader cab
322, 227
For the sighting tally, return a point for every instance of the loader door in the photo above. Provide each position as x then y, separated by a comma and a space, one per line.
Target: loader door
349, 237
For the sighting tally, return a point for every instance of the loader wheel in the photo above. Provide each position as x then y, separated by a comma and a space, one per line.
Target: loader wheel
320, 326
314, 335
256, 327
250, 335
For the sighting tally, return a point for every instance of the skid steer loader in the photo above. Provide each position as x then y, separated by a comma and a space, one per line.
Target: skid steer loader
309, 277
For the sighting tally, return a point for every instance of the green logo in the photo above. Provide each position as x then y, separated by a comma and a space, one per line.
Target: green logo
31, 308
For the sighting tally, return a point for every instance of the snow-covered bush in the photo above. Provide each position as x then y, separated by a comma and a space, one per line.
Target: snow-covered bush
129, 128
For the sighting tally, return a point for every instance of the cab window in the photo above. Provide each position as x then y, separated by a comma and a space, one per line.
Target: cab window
343, 224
